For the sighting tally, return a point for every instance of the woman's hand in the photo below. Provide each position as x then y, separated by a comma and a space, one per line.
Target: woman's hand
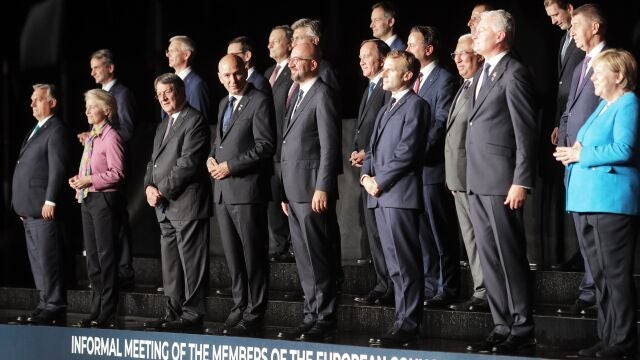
80, 182
567, 155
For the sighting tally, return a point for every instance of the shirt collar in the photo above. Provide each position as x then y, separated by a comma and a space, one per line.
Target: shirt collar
183, 74
41, 123
495, 60
305, 86
426, 71
400, 94
391, 39
376, 78
109, 85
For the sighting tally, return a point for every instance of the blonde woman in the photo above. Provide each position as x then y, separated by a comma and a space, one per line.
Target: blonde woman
97, 188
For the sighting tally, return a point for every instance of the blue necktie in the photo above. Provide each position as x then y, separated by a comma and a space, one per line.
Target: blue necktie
372, 87
226, 118
298, 100
485, 78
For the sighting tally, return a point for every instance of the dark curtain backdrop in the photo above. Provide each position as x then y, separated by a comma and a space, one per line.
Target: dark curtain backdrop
50, 41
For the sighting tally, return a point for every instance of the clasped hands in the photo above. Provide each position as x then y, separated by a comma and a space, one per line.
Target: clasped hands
567, 155
357, 158
154, 196
370, 185
217, 171
80, 182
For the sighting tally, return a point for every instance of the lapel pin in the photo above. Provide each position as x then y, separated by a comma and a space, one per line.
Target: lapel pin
493, 76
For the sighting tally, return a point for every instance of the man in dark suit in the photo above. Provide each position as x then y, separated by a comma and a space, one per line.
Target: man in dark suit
383, 20
38, 180
180, 54
372, 54
557, 244
103, 71
501, 158
279, 76
310, 163
240, 163
588, 31
438, 229
391, 175
455, 160
242, 46
177, 185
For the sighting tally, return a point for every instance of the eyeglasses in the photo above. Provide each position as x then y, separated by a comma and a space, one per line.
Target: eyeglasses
162, 95
295, 60
459, 54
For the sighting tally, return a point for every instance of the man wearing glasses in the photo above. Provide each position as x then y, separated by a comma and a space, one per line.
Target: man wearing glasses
310, 162
177, 186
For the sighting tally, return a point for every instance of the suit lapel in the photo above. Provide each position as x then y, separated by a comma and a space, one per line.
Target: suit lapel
429, 81
221, 107
585, 80
365, 106
386, 116
457, 104
27, 141
282, 78
177, 124
494, 78
303, 104
237, 112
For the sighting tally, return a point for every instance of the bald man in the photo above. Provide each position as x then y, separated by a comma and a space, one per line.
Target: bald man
310, 162
240, 163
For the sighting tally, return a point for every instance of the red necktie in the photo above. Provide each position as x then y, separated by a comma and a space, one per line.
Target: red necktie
416, 85
274, 75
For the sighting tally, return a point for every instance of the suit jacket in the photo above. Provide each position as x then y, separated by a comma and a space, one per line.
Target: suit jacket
311, 157
367, 114
607, 177
580, 104
328, 76
247, 146
280, 92
259, 82
177, 167
198, 95
438, 90
572, 58
398, 44
397, 145
502, 133
125, 121
41, 169
455, 154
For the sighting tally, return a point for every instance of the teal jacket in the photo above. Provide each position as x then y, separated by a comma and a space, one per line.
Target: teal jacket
607, 177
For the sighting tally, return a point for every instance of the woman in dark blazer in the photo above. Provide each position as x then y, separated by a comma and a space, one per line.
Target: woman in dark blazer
603, 187
97, 188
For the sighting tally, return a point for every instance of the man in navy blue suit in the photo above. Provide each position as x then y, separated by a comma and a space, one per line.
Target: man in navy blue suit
242, 46
383, 20
438, 227
180, 55
391, 176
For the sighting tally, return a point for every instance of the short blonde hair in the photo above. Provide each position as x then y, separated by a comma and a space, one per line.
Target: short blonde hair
622, 62
105, 100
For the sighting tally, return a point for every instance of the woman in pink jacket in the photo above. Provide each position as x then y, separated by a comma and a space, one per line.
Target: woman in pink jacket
97, 188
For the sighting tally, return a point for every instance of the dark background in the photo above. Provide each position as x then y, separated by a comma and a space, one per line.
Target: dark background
51, 41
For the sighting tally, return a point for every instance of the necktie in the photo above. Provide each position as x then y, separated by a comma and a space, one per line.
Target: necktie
170, 121
386, 113
372, 87
416, 85
565, 45
484, 79
298, 100
35, 131
583, 72
226, 118
292, 91
274, 75
465, 87
391, 103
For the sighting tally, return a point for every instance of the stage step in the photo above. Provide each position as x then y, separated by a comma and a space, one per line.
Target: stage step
551, 329
549, 287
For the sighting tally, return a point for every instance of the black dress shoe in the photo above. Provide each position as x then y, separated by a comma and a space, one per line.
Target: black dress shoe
479, 305
396, 337
106, 323
370, 299
364, 261
84, 323
487, 343
578, 307
461, 306
27, 318
50, 318
295, 333
438, 302
590, 351
319, 332
157, 324
386, 300
286, 257
616, 352
515, 344
572, 264
243, 328
182, 324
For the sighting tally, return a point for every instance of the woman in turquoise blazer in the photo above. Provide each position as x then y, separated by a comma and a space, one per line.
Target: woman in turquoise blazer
603, 187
